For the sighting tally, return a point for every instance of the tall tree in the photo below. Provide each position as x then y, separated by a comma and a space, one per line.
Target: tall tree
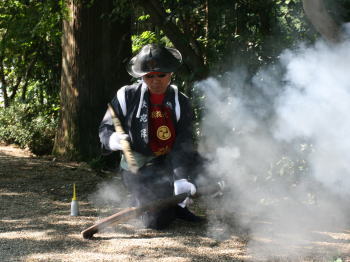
29, 47
321, 19
96, 42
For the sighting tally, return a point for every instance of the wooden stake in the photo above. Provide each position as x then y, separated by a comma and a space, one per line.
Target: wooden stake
130, 159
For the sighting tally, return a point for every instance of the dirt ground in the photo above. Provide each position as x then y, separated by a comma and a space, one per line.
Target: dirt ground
35, 222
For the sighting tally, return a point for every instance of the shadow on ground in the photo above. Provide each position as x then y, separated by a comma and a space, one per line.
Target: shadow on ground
36, 225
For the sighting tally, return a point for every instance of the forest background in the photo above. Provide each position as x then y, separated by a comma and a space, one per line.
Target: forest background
61, 62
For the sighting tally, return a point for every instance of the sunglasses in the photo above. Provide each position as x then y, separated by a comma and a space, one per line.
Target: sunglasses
155, 75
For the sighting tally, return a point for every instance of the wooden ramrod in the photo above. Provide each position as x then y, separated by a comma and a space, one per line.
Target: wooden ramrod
133, 212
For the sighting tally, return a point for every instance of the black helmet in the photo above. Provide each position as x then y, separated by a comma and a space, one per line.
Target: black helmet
154, 58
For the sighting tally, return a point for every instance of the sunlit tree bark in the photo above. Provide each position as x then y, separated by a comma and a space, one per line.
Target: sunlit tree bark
321, 20
94, 49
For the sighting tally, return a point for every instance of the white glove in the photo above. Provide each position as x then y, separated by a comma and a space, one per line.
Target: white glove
183, 186
115, 141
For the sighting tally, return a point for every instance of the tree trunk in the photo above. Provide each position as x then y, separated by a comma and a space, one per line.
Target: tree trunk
321, 20
94, 50
265, 11
3, 83
26, 78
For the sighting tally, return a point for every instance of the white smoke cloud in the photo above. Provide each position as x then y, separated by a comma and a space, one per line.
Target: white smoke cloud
280, 141
109, 194
315, 105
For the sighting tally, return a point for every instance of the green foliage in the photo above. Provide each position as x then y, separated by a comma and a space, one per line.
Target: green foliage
30, 48
144, 38
119, 10
143, 18
227, 33
148, 37
29, 125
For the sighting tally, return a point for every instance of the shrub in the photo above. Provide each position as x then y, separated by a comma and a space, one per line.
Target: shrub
29, 125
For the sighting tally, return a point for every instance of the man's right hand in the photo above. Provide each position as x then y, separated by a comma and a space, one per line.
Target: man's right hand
183, 186
115, 141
